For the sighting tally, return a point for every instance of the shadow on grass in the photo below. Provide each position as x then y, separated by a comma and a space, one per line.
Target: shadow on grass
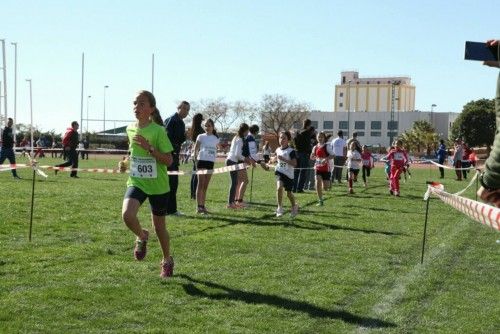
279, 302
286, 222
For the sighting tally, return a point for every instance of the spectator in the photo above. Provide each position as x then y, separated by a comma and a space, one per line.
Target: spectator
441, 156
457, 158
196, 130
7, 150
303, 150
490, 178
86, 146
176, 131
70, 143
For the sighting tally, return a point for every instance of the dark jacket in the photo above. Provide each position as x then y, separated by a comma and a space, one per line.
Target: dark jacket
303, 142
7, 138
491, 177
176, 131
72, 139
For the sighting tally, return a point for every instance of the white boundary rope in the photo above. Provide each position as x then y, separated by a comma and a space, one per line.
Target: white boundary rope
480, 212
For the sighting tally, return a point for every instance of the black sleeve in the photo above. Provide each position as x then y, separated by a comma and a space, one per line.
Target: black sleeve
245, 150
293, 155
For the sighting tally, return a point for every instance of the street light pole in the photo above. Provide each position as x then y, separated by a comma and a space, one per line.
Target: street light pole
432, 114
348, 108
104, 112
88, 101
4, 81
81, 97
153, 73
15, 92
31, 115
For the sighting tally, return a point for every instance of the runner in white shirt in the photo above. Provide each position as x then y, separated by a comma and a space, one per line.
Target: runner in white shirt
353, 164
285, 164
205, 152
338, 147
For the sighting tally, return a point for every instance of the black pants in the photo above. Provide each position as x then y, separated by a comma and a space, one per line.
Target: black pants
84, 153
234, 180
337, 171
8, 153
72, 161
194, 182
365, 173
174, 184
441, 169
300, 172
465, 164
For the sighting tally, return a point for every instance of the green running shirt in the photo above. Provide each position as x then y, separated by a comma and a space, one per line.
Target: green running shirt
156, 135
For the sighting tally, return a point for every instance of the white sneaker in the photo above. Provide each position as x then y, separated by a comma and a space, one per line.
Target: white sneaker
295, 211
279, 212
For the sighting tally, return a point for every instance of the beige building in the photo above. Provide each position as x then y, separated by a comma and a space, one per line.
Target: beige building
373, 94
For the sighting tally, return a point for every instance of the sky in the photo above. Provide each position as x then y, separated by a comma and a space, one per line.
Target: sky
239, 50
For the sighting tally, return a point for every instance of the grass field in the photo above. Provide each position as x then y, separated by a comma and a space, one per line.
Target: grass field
350, 266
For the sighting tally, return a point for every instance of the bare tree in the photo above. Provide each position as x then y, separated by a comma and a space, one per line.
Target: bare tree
219, 111
279, 113
246, 112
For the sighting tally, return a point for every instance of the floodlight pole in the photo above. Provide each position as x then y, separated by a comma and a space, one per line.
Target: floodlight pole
153, 73
4, 80
81, 98
15, 94
34, 172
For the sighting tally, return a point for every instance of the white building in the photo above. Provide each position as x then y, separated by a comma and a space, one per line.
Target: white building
374, 128
373, 93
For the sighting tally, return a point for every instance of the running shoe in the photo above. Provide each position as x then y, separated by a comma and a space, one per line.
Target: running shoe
200, 211
279, 212
167, 268
320, 203
295, 211
242, 205
141, 247
351, 191
232, 206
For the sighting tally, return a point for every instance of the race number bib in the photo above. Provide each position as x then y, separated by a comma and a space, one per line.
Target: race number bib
208, 153
282, 164
320, 162
143, 167
399, 156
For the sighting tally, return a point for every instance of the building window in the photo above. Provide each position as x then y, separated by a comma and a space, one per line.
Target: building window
376, 134
314, 124
368, 82
361, 133
341, 104
343, 80
341, 94
394, 134
392, 125
376, 125
343, 125
328, 125
359, 125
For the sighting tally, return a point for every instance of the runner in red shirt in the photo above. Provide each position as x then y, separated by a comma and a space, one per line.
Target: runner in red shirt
368, 164
398, 159
321, 155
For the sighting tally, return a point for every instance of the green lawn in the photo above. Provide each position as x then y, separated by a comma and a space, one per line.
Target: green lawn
350, 266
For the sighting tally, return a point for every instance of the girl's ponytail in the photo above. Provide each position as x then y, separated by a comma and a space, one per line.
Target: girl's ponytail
156, 117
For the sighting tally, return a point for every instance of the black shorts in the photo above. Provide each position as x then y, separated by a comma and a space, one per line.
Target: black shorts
287, 182
324, 175
158, 203
354, 171
204, 164
267, 158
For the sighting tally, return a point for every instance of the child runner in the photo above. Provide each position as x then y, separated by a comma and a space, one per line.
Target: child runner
286, 161
322, 155
266, 152
367, 158
353, 164
234, 157
205, 152
398, 158
150, 154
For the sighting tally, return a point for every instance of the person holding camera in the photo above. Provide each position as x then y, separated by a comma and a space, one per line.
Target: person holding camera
490, 178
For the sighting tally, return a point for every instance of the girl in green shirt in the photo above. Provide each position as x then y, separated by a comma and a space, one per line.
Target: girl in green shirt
149, 157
